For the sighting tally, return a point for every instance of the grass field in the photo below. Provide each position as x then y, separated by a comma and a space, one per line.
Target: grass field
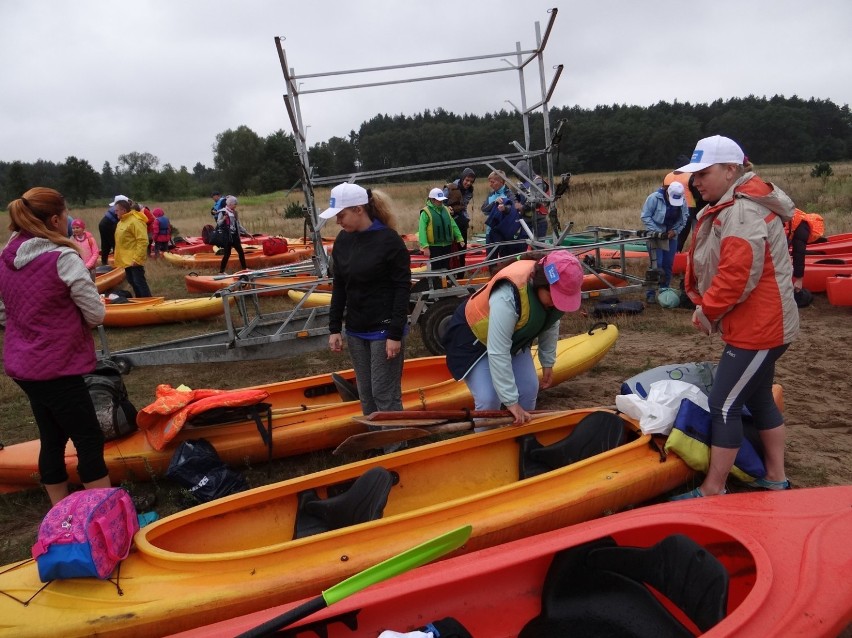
610, 200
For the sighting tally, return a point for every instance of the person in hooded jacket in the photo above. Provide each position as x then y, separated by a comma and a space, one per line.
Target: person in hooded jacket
740, 278
459, 194
665, 212
86, 245
229, 219
162, 231
51, 305
131, 246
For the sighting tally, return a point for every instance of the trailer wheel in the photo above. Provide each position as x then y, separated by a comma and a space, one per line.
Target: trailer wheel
434, 324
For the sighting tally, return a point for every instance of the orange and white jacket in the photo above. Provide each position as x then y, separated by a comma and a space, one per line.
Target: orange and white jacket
739, 272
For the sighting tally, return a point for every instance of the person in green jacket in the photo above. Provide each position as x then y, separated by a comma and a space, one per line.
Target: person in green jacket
438, 230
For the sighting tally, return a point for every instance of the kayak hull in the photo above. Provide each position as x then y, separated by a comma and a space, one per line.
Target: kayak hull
254, 258
311, 417
839, 290
156, 310
109, 280
236, 555
787, 578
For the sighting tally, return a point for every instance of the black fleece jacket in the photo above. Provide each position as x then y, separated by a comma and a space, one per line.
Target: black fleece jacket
372, 282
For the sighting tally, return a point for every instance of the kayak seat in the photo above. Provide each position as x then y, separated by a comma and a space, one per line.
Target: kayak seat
602, 589
595, 433
347, 389
364, 501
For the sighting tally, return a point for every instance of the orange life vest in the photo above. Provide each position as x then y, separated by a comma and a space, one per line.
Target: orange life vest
816, 223
173, 407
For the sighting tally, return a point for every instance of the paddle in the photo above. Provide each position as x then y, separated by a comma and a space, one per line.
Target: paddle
378, 439
450, 415
399, 564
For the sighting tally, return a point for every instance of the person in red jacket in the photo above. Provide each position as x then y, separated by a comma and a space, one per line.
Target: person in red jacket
740, 278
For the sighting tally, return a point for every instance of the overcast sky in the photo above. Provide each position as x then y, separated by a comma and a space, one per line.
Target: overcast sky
98, 78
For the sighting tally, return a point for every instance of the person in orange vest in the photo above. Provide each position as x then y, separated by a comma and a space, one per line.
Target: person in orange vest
803, 229
489, 336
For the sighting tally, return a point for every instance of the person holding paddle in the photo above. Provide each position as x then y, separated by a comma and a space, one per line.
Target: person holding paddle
489, 337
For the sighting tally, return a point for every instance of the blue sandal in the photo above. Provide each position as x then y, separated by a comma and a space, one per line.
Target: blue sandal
696, 493
766, 484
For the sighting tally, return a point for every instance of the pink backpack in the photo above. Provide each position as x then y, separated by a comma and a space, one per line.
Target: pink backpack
86, 534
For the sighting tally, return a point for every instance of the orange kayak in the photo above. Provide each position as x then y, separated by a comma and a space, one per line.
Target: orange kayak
212, 283
308, 414
148, 311
109, 280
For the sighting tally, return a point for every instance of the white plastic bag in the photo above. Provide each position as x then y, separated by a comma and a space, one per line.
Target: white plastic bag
657, 413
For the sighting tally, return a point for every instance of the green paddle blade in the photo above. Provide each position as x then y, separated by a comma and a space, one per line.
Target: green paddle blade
409, 559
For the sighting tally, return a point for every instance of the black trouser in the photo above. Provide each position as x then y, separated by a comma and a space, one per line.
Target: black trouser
63, 410
235, 243
136, 278
464, 224
106, 228
683, 235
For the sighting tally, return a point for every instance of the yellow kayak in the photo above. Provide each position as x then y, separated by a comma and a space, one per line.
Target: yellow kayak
260, 548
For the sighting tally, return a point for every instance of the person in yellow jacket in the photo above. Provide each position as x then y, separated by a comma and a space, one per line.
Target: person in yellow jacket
131, 246
438, 230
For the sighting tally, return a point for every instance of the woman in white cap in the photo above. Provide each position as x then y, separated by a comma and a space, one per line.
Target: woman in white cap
665, 212
740, 278
489, 337
437, 230
372, 280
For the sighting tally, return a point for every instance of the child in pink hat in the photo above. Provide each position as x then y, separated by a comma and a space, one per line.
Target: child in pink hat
86, 244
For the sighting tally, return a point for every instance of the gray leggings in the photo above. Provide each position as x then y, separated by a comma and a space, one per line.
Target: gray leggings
744, 377
379, 379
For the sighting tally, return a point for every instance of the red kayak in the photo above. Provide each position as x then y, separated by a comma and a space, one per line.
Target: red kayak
819, 268
835, 244
760, 564
839, 290
193, 245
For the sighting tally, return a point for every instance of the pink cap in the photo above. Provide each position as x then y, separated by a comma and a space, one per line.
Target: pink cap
565, 276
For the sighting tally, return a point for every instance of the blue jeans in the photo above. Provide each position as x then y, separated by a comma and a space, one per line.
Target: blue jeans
665, 262
481, 386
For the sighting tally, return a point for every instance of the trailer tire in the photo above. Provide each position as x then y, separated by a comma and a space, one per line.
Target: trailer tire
434, 323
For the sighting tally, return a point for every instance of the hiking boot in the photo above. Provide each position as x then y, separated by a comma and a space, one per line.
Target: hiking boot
651, 296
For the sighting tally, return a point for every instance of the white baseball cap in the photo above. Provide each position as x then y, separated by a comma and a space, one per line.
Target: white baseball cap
343, 196
713, 150
437, 193
675, 194
119, 198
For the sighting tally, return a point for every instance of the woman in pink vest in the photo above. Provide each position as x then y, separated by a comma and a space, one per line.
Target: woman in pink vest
51, 305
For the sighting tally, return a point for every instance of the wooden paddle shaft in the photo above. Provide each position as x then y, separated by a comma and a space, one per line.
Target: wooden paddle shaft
457, 415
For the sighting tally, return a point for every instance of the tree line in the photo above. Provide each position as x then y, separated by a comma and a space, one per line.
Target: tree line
773, 130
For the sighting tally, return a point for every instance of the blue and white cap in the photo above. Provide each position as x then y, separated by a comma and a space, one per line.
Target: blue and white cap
343, 196
713, 150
